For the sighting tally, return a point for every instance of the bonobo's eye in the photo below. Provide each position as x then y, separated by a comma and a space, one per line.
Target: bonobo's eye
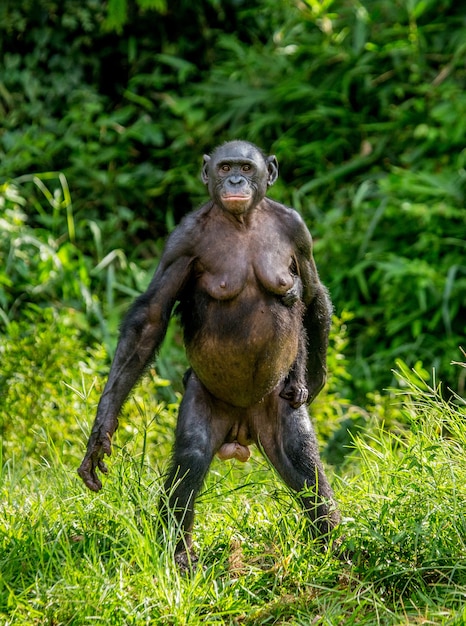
246, 168
225, 168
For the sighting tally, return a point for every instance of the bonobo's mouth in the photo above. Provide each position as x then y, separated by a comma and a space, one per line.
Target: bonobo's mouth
236, 204
230, 197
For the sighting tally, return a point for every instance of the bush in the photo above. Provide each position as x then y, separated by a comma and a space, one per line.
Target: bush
363, 104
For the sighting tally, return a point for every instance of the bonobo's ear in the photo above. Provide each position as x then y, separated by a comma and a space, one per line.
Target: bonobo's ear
272, 167
204, 171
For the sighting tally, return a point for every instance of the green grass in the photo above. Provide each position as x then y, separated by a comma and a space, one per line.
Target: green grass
70, 557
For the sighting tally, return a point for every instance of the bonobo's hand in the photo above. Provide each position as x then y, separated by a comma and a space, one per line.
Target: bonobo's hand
294, 392
291, 296
100, 443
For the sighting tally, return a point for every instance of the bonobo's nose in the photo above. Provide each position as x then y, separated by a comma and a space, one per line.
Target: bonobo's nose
235, 180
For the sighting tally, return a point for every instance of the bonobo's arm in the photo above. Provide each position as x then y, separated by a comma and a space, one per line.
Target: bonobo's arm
141, 334
308, 373
317, 316
295, 389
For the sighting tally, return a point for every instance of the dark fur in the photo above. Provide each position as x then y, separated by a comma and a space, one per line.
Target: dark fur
256, 320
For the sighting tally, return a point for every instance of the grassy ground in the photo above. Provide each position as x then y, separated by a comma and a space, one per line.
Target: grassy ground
69, 557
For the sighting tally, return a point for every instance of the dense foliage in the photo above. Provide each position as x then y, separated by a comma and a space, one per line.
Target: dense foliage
364, 104
105, 111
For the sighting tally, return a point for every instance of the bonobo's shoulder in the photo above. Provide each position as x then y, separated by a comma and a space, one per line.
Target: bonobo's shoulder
191, 220
289, 217
282, 210
189, 229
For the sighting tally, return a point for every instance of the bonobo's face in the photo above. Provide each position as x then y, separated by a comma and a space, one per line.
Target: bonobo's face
237, 175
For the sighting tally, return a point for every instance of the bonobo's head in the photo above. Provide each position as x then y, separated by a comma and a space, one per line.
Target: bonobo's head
237, 175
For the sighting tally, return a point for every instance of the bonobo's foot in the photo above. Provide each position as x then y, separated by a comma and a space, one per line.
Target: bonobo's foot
326, 524
234, 450
294, 392
186, 561
93, 461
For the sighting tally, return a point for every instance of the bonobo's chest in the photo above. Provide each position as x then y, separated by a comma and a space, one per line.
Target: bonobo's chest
234, 259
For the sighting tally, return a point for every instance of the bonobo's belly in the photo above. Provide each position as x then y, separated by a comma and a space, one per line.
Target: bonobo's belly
245, 349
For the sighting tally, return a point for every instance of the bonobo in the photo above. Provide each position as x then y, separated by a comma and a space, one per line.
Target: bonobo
255, 318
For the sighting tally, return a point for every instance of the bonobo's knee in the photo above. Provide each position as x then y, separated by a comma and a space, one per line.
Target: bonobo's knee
188, 470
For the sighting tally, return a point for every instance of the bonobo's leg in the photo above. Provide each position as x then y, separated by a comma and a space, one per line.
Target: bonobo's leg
290, 444
192, 455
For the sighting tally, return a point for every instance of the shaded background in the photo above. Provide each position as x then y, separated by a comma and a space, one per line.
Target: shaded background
106, 110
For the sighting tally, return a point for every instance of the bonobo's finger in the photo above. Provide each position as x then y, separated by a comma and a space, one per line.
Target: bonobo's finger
290, 298
88, 474
103, 468
286, 394
295, 396
93, 483
106, 445
301, 396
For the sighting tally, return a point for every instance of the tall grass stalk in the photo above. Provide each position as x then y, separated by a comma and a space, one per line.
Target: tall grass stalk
71, 557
